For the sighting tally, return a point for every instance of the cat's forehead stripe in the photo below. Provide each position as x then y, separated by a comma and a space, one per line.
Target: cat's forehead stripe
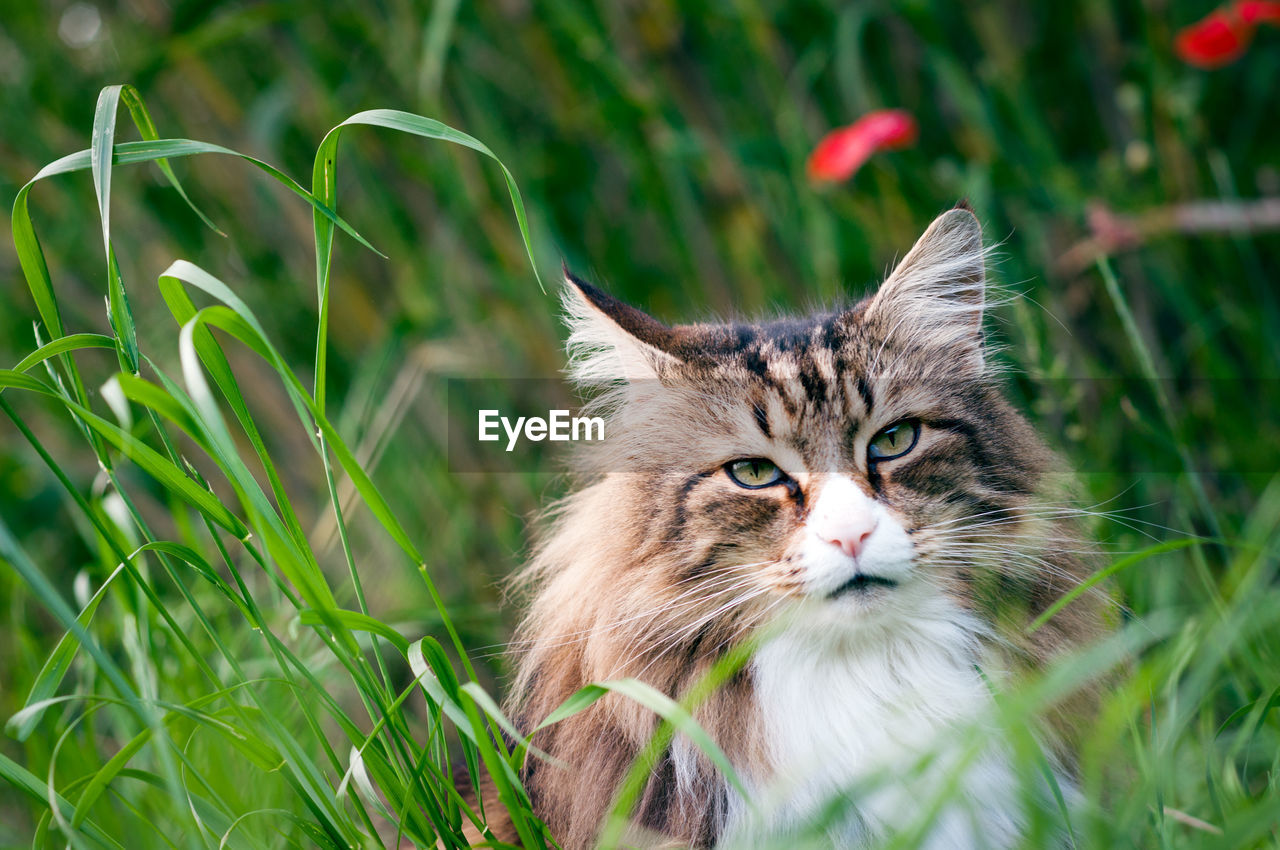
762, 418
864, 392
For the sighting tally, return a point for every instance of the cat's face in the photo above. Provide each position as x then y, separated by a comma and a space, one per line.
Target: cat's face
859, 461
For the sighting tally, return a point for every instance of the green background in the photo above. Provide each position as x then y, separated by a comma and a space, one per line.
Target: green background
660, 150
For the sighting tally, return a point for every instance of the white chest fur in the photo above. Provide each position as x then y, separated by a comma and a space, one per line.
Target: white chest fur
885, 719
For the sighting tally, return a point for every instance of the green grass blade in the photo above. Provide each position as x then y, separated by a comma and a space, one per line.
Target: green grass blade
147, 129
432, 672
1102, 575
102, 778
155, 464
680, 719
130, 153
23, 780
121, 316
245, 327
211, 354
429, 128
354, 621
56, 666
64, 345
101, 147
490, 707
324, 188
34, 267
11, 552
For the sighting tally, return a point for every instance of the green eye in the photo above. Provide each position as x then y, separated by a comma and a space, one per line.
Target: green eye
754, 473
894, 441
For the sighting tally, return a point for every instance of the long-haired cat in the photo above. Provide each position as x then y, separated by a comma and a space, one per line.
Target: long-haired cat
851, 489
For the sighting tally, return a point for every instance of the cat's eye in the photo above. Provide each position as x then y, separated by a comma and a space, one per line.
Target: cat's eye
754, 473
894, 441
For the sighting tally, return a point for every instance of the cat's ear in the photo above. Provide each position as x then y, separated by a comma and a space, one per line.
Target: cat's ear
937, 292
611, 341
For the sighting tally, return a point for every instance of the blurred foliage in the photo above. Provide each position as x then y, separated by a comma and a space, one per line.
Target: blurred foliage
660, 148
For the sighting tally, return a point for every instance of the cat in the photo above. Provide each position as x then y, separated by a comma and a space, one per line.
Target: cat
851, 490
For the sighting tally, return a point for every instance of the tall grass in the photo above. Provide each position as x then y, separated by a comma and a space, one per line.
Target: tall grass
207, 667
398, 768
248, 602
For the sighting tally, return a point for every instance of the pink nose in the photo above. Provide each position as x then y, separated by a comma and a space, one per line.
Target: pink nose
850, 533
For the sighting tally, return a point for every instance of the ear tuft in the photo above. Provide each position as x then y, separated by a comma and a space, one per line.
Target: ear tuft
937, 292
609, 340
947, 259
635, 322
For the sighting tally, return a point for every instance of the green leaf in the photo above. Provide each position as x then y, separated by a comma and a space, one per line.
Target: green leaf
147, 129
1102, 575
490, 707
680, 718
355, 621
153, 463
102, 778
428, 128
324, 187
245, 327
63, 345
433, 673
23, 780
578, 701
100, 154
55, 668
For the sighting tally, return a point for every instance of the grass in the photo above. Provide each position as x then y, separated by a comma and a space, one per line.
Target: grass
246, 601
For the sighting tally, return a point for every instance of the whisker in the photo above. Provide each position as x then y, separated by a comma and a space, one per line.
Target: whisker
691, 598
724, 577
670, 642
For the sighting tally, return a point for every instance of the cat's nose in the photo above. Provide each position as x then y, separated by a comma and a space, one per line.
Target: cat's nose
850, 533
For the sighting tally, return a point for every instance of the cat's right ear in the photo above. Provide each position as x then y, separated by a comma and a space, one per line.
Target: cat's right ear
611, 341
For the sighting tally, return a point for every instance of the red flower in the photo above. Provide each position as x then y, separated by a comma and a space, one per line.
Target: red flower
1222, 36
842, 152
1259, 11
1215, 41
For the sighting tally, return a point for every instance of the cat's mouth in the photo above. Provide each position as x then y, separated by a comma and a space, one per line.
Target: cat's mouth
862, 583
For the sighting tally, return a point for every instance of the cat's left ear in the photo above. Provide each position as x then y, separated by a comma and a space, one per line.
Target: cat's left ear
936, 294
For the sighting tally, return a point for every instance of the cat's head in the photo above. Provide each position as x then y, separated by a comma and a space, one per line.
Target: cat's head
861, 463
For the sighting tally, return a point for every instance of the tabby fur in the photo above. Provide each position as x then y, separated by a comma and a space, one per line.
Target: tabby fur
659, 562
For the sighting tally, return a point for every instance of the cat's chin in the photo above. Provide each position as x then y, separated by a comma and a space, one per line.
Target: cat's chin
858, 622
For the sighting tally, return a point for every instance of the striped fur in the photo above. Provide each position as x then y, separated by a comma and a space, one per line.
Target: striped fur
659, 561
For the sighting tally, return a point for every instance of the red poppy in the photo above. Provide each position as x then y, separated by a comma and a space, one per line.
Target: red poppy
1215, 41
1222, 37
842, 152
1259, 11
